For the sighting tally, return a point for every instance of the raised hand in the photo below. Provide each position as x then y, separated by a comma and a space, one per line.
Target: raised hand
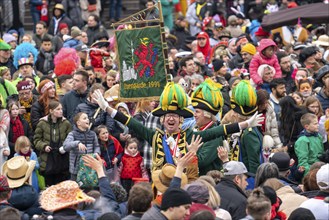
195, 144
255, 120
183, 162
222, 154
98, 97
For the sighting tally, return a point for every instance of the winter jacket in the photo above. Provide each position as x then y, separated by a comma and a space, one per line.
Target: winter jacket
233, 199
66, 214
88, 138
42, 136
324, 100
290, 200
259, 59
102, 117
26, 199
73, 11
62, 19
153, 213
6, 89
27, 132
70, 101
271, 126
181, 33
57, 42
71, 43
45, 62
111, 204
307, 148
193, 19
111, 150
37, 112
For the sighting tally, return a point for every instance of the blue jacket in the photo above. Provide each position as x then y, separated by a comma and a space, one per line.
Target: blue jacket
71, 43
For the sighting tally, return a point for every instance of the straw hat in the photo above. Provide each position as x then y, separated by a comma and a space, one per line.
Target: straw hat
323, 40
17, 170
63, 195
112, 94
162, 178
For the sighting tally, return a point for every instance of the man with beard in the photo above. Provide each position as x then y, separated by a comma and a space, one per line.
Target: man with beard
287, 69
247, 52
278, 88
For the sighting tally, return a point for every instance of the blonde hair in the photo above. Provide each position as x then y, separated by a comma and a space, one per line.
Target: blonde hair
214, 199
141, 105
22, 142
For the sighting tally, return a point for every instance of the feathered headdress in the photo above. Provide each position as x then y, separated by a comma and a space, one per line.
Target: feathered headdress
244, 99
173, 100
25, 50
66, 61
207, 96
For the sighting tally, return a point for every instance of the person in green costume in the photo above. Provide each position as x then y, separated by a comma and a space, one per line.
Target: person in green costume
207, 101
172, 142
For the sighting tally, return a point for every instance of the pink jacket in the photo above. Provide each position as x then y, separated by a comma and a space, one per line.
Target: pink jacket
260, 59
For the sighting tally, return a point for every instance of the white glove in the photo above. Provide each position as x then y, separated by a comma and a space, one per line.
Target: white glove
98, 97
61, 150
255, 120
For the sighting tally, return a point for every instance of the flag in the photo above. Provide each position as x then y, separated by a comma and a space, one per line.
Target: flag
142, 63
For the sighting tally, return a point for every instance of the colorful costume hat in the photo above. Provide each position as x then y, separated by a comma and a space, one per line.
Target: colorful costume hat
25, 50
207, 96
173, 100
244, 99
66, 61
4, 45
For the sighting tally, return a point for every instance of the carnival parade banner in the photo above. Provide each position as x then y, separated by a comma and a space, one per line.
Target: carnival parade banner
142, 63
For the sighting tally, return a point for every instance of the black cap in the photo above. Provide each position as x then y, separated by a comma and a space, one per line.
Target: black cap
282, 160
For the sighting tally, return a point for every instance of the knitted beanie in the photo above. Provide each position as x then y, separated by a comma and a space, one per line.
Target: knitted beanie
175, 197
249, 48
75, 32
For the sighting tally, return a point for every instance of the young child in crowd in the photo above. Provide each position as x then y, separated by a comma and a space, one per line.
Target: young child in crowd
23, 148
265, 55
309, 144
111, 149
132, 165
80, 141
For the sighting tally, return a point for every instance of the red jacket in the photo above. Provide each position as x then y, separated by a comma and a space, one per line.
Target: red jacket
260, 59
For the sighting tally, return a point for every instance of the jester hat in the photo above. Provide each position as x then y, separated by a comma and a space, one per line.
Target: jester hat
244, 99
25, 50
173, 100
207, 96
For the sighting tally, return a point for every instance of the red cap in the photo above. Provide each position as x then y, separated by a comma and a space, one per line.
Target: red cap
260, 32
202, 34
62, 26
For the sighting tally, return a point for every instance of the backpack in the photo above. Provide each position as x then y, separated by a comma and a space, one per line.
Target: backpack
86, 177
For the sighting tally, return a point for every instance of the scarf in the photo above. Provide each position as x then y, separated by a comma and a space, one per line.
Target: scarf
27, 155
308, 134
27, 115
17, 127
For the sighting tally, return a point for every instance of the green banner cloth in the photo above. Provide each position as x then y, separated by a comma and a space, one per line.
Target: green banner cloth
142, 63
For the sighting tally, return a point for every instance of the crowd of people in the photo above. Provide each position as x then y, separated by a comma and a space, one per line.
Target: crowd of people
240, 130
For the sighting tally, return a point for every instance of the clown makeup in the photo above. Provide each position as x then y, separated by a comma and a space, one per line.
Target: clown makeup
305, 89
